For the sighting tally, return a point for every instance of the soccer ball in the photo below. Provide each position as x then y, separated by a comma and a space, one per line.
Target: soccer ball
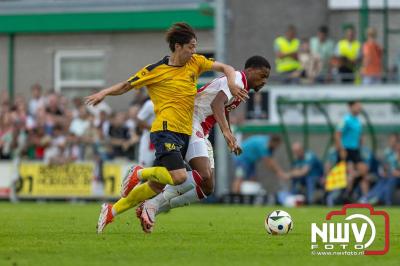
278, 223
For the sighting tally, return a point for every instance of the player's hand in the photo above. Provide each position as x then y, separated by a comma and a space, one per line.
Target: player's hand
238, 150
239, 93
284, 176
232, 143
94, 99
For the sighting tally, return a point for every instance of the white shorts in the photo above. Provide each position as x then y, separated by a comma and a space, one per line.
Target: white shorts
200, 146
146, 151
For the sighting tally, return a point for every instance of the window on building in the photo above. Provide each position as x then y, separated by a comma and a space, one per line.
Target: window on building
78, 71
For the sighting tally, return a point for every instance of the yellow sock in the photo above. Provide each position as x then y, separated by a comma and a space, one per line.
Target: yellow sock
157, 174
138, 194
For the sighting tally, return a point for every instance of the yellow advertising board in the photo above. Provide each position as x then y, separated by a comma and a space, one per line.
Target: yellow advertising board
69, 180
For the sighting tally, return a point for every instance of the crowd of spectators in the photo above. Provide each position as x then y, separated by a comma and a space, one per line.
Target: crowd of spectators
54, 129
320, 59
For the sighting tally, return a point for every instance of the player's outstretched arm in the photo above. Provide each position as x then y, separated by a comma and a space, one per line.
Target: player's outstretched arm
218, 108
117, 89
231, 76
275, 167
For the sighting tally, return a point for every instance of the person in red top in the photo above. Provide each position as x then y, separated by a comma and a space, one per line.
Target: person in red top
372, 59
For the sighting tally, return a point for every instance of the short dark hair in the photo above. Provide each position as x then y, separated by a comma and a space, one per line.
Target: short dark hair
323, 29
291, 27
180, 33
275, 138
353, 102
257, 61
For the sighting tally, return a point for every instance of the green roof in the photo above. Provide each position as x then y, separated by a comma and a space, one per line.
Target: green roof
104, 21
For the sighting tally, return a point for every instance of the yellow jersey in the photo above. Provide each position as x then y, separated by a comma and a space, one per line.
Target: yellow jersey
172, 89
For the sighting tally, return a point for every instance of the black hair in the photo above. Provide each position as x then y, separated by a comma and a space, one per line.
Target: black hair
257, 61
180, 33
353, 102
323, 29
275, 138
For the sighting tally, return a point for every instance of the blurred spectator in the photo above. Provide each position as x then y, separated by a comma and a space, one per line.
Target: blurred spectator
309, 62
348, 52
131, 121
63, 103
322, 47
139, 97
101, 107
371, 59
286, 51
145, 119
6, 135
52, 105
77, 103
103, 124
307, 170
258, 110
80, 124
79, 127
36, 100
54, 153
20, 138
384, 188
255, 149
38, 141
348, 145
120, 139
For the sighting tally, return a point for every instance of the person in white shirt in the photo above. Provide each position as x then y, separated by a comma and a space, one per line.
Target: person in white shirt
145, 118
37, 100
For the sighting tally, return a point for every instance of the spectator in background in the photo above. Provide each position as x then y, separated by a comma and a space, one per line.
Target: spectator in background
309, 63
80, 124
322, 47
348, 145
58, 153
38, 141
255, 149
100, 107
131, 121
77, 103
19, 111
79, 127
306, 171
258, 110
52, 106
37, 100
6, 135
371, 59
286, 50
103, 124
145, 119
348, 50
120, 139
384, 188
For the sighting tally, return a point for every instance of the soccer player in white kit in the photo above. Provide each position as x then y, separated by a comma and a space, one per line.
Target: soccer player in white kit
145, 118
213, 103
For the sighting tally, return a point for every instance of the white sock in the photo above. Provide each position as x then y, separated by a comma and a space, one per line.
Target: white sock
158, 201
193, 179
191, 196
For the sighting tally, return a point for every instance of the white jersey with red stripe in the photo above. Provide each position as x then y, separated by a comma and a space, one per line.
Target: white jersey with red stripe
203, 118
203, 113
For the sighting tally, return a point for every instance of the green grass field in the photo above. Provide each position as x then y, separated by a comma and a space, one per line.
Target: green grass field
64, 234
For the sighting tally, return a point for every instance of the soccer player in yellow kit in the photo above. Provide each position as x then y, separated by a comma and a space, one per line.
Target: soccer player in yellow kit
171, 84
